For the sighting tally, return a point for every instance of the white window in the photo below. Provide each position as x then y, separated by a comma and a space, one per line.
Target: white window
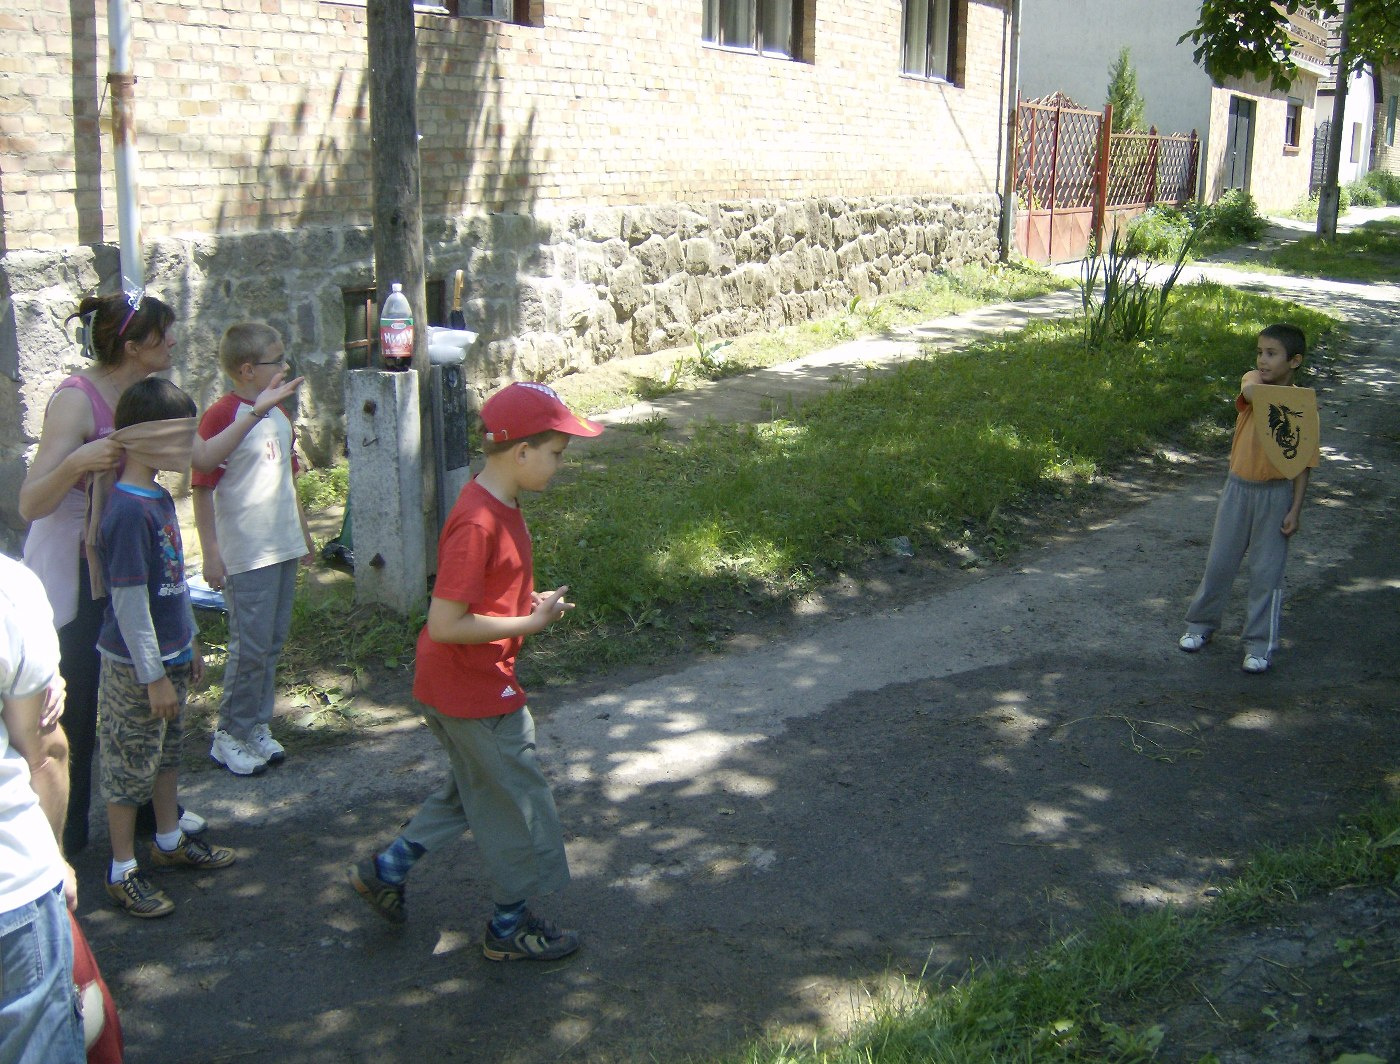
1356, 142
928, 39
764, 26
1293, 124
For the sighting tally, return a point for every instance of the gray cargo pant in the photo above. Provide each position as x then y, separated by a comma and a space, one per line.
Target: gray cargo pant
1248, 520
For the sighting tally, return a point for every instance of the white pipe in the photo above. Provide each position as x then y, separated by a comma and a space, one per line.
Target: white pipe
121, 81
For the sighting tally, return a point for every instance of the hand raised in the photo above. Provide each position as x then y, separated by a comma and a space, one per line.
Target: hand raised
276, 392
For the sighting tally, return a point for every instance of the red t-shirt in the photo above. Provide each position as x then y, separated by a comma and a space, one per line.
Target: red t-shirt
484, 562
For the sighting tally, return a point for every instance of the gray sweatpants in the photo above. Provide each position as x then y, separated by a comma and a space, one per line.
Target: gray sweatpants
259, 616
1248, 520
496, 789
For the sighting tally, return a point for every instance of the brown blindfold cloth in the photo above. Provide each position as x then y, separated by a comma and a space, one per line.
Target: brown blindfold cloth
158, 444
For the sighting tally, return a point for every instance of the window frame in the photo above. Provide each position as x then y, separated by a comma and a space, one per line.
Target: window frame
1390, 115
1293, 124
941, 25
717, 14
1357, 129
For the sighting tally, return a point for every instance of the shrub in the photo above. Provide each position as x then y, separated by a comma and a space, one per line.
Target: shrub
1158, 233
1385, 184
1362, 193
1235, 216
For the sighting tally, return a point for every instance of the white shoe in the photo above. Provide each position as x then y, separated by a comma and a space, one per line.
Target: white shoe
1192, 642
265, 746
236, 755
1254, 663
192, 824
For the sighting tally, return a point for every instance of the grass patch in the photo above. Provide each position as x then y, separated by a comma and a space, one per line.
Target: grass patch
1370, 252
940, 294
747, 517
1093, 995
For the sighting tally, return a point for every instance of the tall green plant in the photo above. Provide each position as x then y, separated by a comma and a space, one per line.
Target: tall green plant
1119, 301
1123, 95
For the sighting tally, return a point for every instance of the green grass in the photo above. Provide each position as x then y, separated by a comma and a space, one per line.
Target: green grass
941, 294
746, 517
1095, 995
1370, 252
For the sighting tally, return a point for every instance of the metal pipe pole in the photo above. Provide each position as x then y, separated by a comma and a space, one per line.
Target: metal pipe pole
122, 84
1013, 106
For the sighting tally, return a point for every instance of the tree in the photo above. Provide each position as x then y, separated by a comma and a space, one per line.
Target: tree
1235, 38
1123, 95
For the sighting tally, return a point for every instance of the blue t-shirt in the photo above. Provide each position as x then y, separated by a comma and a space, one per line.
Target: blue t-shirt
140, 543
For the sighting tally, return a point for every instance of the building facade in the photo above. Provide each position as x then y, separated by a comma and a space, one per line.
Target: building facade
611, 176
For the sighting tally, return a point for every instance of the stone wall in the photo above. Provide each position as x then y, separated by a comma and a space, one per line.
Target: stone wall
550, 294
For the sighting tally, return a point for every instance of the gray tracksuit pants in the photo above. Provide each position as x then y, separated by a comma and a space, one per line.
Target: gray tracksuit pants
259, 617
1247, 521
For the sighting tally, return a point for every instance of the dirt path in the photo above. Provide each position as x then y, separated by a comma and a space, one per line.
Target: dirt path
928, 768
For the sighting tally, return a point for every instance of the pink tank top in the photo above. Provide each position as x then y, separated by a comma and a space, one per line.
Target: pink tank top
55, 542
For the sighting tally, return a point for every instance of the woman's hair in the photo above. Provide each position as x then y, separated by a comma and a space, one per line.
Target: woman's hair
109, 321
152, 399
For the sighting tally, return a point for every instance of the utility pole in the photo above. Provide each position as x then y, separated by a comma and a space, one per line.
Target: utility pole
1329, 198
391, 485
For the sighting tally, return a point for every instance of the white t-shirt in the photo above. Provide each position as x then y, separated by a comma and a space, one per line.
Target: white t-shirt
30, 861
255, 500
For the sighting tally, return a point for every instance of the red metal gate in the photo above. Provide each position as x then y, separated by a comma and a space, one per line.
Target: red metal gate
1074, 177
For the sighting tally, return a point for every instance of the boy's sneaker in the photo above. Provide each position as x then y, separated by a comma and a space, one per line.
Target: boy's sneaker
533, 939
135, 895
1254, 663
192, 823
191, 853
387, 899
265, 746
236, 755
1192, 642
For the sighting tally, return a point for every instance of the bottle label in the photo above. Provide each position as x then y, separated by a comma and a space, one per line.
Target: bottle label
396, 337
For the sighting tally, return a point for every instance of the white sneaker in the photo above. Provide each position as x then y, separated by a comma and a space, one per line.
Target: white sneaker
1192, 642
192, 824
265, 746
1254, 663
236, 755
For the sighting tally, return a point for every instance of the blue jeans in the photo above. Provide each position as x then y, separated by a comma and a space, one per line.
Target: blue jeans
39, 1021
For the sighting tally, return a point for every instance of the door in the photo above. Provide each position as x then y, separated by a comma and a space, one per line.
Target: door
1239, 142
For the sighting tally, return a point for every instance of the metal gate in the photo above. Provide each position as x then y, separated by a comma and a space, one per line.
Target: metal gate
1075, 178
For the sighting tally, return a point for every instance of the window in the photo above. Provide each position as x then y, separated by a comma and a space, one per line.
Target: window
1293, 124
1390, 123
501, 10
1356, 142
930, 37
768, 27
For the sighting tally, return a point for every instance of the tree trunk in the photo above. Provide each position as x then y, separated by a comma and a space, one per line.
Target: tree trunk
1329, 199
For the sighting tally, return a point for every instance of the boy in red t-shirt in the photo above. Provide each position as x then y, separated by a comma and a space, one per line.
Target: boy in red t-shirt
484, 604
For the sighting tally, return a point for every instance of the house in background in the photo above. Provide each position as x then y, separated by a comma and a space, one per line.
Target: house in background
1359, 125
1252, 136
613, 176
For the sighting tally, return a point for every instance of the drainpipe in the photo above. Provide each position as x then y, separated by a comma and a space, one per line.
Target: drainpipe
1013, 99
121, 82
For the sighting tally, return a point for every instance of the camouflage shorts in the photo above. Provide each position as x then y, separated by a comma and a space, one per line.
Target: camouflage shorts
134, 745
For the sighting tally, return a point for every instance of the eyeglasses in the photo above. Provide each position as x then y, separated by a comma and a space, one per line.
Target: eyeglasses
272, 362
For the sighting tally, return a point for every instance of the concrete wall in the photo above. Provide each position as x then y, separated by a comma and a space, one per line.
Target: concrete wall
1068, 46
606, 179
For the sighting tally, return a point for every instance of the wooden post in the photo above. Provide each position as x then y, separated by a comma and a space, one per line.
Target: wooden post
406, 539
1101, 176
1153, 156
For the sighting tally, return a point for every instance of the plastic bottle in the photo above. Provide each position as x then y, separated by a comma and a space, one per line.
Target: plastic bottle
396, 330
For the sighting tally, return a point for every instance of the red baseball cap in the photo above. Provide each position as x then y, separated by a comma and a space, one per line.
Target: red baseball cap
525, 408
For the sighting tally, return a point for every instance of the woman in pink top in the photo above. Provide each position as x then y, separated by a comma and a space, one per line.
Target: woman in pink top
128, 338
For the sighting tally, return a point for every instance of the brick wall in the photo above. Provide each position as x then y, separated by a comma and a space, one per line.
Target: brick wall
1387, 156
253, 114
606, 180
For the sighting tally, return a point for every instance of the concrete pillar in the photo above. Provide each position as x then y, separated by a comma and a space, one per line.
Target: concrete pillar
383, 437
